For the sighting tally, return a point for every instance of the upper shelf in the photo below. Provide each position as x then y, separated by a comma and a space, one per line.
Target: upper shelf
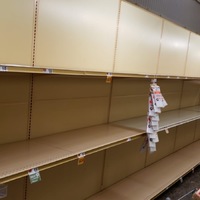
69, 40
46, 152
42, 70
168, 119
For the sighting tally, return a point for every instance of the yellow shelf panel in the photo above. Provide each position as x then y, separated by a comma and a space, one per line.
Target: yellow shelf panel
138, 42
174, 46
77, 34
193, 59
16, 19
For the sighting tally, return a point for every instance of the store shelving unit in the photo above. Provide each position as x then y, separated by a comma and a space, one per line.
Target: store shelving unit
56, 105
44, 70
61, 148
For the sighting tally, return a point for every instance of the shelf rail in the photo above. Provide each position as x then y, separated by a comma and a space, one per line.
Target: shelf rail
45, 70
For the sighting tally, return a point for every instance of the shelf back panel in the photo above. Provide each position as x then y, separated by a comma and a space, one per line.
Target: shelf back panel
138, 41
185, 135
190, 93
15, 190
77, 35
62, 103
164, 147
123, 160
193, 59
14, 106
174, 45
69, 181
16, 21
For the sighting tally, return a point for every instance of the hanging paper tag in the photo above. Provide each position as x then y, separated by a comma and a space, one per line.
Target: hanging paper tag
48, 71
3, 68
156, 139
152, 149
150, 129
156, 108
155, 127
159, 99
155, 102
151, 143
151, 111
109, 78
34, 175
153, 137
164, 102
81, 158
155, 117
152, 126
154, 123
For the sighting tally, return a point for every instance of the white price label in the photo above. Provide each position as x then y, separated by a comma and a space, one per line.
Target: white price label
3, 69
34, 175
48, 71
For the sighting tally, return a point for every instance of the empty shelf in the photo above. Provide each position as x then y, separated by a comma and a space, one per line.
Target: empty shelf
168, 119
152, 180
49, 151
42, 70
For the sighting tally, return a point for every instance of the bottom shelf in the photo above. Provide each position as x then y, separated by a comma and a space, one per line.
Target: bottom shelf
152, 180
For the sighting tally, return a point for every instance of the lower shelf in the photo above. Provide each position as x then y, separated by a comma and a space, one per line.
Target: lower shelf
168, 119
46, 152
152, 180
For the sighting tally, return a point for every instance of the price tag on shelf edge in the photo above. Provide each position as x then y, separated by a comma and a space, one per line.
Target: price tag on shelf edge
81, 158
3, 68
34, 175
109, 78
48, 71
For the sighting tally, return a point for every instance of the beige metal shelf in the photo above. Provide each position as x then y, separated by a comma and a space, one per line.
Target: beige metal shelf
49, 151
168, 119
152, 180
41, 70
